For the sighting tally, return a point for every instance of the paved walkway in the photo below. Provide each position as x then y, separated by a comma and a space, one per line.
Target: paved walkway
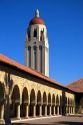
61, 120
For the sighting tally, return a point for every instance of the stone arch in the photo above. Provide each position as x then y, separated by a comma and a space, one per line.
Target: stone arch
60, 100
57, 100
32, 102
49, 99
15, 101
49, 105
44, 103
53, 104
24, 101
32, 96
39, 97
53, 99
25, 95
57, 104
39, 103
60, 110
16, 94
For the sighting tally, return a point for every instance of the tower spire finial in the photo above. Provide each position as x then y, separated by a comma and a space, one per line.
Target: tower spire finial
37, 13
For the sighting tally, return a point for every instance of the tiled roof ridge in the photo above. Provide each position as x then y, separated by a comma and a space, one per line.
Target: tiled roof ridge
75, 81
76, 86
9, 61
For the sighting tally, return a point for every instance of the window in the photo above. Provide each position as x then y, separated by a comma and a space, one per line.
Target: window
35, 32
40, 48
42, 35
29, 56
35, 57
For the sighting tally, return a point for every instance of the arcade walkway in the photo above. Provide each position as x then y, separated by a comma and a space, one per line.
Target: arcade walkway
57, 120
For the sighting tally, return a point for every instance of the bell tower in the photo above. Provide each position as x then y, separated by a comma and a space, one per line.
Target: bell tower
37, 47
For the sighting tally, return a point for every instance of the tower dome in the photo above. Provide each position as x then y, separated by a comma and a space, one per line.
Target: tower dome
36, 19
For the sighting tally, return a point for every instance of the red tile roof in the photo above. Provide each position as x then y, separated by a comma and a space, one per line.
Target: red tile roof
28, 70
76, 86
36, 20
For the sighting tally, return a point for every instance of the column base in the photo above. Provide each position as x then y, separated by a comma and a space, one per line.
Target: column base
34, 116
40, 115
2, 121
17, 118
26, 117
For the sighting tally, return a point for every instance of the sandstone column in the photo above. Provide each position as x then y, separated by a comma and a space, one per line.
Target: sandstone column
18, 111
1, 113
34, 110
45, 110
26, 113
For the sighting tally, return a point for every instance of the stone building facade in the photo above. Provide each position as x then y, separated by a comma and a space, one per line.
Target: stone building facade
26, 93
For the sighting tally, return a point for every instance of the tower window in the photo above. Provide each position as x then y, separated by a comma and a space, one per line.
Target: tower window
35, 32
35, 57
42, 35
40, 48
29, 53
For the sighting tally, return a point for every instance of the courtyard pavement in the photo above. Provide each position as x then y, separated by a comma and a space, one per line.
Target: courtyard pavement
60, 120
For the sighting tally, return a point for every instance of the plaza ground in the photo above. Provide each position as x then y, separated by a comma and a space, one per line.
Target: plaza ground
57, 120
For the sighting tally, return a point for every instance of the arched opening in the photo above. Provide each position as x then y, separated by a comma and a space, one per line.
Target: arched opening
49, 105
60, 110
35, 57
40, 52
29, 56
53, 104
32, 103
44, 104
42, 35
39, 103
57, 104
24, 102
35, 33
15, 106
1, 101
68, 105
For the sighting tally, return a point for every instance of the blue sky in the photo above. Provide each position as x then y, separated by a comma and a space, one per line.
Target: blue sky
64, 22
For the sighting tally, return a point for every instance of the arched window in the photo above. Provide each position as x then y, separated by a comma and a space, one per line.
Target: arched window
35, 57
42, 35
35, 33
29, 55
40, 48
